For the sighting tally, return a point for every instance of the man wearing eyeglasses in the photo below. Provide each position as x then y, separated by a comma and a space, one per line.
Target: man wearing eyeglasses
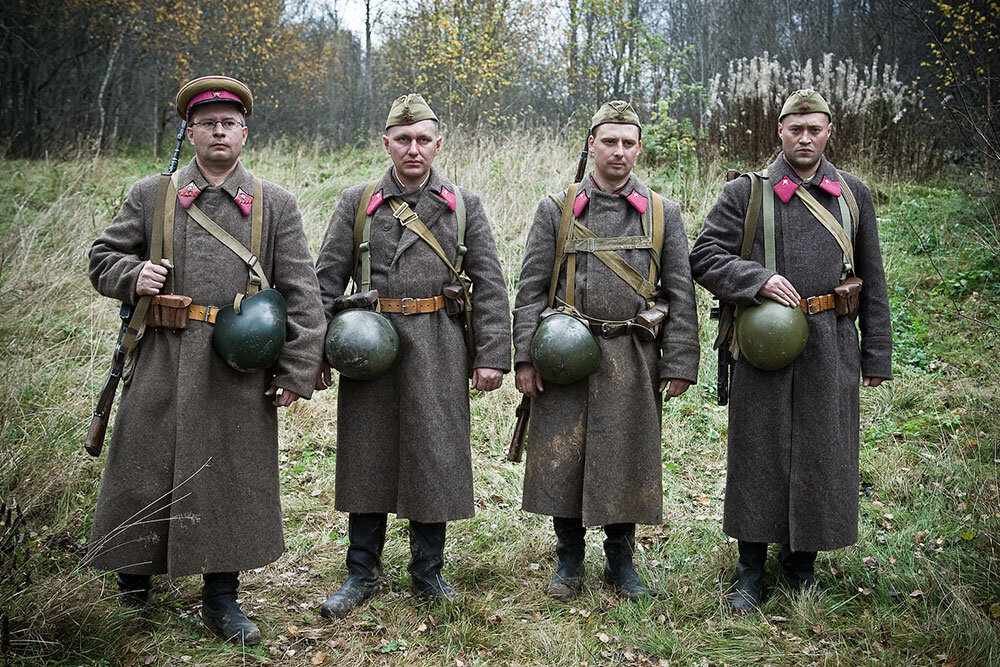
191, 482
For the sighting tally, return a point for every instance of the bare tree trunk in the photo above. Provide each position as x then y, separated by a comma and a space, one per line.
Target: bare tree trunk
100, 96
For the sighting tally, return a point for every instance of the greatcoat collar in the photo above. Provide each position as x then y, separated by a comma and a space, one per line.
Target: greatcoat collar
634, 192
785, 181
436, 198
191, 183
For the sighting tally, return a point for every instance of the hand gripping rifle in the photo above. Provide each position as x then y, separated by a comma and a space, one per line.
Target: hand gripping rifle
719, 312
524, 409
126, 340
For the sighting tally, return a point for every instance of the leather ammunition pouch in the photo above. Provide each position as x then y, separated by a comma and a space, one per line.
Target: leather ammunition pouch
847, 295
651, 318
454, 295
168, 311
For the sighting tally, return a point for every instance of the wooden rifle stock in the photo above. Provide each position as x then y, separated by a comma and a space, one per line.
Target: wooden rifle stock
94, 442
517, 442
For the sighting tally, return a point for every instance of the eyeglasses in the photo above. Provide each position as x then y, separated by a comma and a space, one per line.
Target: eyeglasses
209, 125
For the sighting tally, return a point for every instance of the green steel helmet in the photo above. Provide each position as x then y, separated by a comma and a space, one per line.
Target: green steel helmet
361, 344
251, 340
771, 335
563, 349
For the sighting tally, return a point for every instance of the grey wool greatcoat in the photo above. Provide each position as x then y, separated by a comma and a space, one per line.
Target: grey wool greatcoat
403, 438
593, 446
793, 433
191, 480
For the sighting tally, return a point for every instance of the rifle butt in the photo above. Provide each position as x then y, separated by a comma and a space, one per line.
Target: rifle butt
95, 434
517, 441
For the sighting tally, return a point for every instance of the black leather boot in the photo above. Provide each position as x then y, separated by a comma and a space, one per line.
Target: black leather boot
570, 547
366, 533
749, 586
619, 571
221, 612
798, 568
426, 561
134, 588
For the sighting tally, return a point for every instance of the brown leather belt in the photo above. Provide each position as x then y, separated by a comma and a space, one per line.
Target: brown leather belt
409, 306
202, 313
817, 304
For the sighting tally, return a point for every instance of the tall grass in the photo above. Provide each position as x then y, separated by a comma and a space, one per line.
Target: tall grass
921, 583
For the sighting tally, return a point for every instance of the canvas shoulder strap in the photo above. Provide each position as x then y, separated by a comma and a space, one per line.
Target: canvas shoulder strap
258, 279
362, 237
565, 229
409, 219
830, 223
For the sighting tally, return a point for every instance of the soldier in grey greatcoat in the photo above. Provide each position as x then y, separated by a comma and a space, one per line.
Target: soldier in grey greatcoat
593, 446
191, 482
403, 438
793, 433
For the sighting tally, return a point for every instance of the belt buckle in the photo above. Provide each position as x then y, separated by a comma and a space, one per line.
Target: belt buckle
609, 329
404, 303
811, 302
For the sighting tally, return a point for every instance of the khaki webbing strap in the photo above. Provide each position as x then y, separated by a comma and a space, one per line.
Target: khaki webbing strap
565, 229
227, 240
138, 322
256, 228
769, 258
852, 203
657, 234
409, 219
362, 237
460, 218
622, 269
728, 314
597, 243
828, 221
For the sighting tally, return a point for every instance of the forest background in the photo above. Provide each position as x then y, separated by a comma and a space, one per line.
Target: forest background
86, 107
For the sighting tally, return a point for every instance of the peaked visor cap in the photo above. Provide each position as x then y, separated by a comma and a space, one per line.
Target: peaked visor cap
616, 111
409, 109
207, 89
806, 100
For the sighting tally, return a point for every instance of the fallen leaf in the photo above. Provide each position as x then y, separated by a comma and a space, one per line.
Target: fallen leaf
704, 500
995, 610
293, 629
603, 637
917, 594
318, 658
967, 535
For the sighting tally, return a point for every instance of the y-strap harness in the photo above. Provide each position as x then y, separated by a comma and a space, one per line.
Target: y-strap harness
762, 206
162, 247
573, 237
410, 220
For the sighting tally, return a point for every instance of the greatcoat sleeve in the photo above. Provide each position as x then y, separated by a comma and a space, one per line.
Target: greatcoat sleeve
293, 276
715, 257
117, 256
679, 345
536, 272
490, 305
873, 311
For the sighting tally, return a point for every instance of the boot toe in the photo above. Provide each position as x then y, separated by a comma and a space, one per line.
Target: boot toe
352, 594
563, 590
234, 628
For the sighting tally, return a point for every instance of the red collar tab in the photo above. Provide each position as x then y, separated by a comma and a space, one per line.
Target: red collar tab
374, 203
449, 197
638, 201
833, 187
580, 203
188, 194
244, 201
785, 188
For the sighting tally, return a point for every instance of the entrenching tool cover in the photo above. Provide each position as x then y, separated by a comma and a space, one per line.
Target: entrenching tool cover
361, 344
251, 340
563, 350
771, 335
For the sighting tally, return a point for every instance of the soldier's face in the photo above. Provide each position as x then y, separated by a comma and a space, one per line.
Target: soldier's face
615, 147
803, 140
412, 149
216, 147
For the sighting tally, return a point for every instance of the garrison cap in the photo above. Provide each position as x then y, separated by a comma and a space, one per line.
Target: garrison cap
806, 100
409, 109
616, 111
213, 89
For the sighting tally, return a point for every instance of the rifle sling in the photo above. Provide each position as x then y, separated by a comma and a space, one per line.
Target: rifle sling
727, 315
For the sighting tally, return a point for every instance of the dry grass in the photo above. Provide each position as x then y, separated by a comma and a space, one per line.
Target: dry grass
929, 509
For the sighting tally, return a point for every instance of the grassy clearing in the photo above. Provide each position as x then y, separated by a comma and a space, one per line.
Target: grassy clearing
921, 587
